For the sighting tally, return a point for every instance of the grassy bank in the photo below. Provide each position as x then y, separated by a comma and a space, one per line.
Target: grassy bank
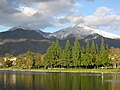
67, 70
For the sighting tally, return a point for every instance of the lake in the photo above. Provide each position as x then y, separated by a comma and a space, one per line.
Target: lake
16, 80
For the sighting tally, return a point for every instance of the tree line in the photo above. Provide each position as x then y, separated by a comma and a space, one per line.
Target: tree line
75, 56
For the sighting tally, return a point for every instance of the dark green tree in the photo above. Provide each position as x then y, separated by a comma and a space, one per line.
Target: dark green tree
49, 56
102, 57
82, 56
107, 53
88, 54
57, 54
76, 54
97, 56
93, 53
87, 57
53, 55
67, 54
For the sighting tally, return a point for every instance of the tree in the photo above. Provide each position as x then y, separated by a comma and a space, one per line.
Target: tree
102, 57
57, 53
29, 59
82, 56
107, 53
53, 55
67, 54
76, 54
115, 57
93, 53
87, 57
38, 60
97, 56
1, 62
7, 60
21, 61
49, 56
8, 63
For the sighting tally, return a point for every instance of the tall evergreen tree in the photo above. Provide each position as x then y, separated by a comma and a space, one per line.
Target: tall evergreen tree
93, 52
53, 55
67, 54
49, 56
82, 56
57, 54
107, 53
102, 54
76, 53
97, 56
87, 57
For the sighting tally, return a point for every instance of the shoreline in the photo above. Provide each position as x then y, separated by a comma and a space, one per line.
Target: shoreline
65, 70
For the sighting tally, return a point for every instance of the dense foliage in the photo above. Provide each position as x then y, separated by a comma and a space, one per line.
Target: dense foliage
75, 56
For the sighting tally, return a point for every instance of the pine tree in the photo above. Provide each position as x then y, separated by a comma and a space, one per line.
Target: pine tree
107, 52
101, 59
49, 56
93, 52
97, 56
57, 54
82, 56
67, 54
53, 55
76, 54
87, 57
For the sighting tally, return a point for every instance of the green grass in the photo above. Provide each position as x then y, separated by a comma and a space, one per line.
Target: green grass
67, 70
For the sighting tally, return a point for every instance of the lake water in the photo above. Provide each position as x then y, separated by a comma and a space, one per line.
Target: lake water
11, 80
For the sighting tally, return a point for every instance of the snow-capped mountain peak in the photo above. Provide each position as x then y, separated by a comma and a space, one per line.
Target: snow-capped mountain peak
81, 31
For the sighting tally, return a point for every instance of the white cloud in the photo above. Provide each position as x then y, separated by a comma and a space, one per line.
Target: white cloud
35, 13
102, 11
104, 17
27, 11
76, 19
54, 13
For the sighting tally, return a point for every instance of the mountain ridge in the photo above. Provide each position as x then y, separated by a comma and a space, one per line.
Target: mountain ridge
20, 40
81, 31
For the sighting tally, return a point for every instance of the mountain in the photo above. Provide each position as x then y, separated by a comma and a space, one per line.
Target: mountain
81, 31
19, 40
44, 34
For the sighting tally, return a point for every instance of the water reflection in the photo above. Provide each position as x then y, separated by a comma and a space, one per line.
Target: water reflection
58, 81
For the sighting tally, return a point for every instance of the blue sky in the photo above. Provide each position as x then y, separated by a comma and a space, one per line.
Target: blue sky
90, 7
52, 15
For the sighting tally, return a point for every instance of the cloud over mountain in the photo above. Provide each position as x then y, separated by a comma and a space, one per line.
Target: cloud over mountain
104, 17
40, 14
34, 13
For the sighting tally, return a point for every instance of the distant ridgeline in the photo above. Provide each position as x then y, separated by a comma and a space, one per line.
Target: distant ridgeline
19, 40
76, 56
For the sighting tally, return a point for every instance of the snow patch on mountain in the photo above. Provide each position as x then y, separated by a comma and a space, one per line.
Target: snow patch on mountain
81, 31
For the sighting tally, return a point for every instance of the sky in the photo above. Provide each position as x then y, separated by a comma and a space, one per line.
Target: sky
53, 15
